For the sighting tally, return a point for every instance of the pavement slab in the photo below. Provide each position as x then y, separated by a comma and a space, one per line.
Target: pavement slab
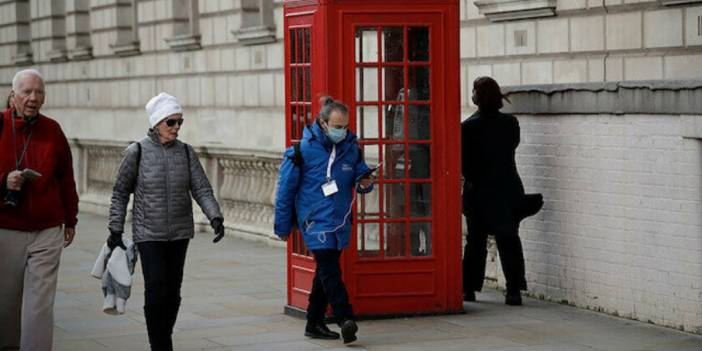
234, 293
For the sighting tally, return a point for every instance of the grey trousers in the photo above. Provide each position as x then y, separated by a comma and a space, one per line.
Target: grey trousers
29, 263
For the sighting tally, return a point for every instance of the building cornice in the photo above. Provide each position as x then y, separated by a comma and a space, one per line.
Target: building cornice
509, 10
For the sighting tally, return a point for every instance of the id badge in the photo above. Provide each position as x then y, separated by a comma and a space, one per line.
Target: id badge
330, 188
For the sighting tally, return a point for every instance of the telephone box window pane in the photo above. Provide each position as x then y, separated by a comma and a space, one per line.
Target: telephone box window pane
366, 45
395, 239
393, 123
368, 206
420, 161
293, 45
293, 84
393, 82
367, 116
371, 154
367, 84
418, 42
420, 239
420, 199
419, 83
300, 47
307, 86
298, 244
418, 121
394, 163
302, 85
306, 40
303, 119
369, 239
394, 194
308, 117
393, 44
294, 130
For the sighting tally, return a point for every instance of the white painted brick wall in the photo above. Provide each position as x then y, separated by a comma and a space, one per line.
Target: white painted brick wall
621, 229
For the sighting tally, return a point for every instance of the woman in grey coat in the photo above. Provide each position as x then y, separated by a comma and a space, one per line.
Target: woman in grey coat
163, 173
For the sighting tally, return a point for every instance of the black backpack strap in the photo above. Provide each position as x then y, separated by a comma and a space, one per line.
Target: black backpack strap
297, 161
138, 155
187, 153
297, 155
138, 162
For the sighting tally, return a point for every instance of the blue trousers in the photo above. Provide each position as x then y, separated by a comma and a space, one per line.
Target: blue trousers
328, 288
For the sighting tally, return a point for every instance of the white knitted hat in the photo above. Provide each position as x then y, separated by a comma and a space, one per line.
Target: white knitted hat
162, 106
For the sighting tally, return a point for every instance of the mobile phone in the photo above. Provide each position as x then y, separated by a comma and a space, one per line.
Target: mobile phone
375, 169
30, 173
370, 171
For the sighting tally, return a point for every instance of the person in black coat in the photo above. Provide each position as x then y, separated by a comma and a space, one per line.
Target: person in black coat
492, 191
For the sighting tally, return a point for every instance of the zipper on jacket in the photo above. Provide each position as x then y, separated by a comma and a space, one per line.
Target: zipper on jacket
168, 194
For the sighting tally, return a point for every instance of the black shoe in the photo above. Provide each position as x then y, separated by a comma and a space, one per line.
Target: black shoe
469, 296
348, 331
513, 298
320, 331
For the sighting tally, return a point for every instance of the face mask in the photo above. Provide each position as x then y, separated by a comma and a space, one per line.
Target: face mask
336, 135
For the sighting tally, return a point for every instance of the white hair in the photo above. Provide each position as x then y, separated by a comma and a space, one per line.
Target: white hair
19, 75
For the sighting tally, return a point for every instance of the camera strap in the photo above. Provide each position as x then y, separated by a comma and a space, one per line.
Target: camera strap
20, 158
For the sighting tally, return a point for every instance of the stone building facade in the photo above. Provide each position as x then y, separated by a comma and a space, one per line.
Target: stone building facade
608, 94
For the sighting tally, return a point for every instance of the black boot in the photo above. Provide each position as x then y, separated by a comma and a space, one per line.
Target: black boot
319, 331
469, 296
348, 331
513, 298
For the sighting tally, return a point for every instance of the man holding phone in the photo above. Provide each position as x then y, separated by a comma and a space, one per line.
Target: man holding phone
38, 215
316, 191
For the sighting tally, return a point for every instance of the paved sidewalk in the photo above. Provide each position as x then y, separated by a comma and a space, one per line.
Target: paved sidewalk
233, 297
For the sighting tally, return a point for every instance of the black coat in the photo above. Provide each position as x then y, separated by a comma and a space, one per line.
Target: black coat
492, 189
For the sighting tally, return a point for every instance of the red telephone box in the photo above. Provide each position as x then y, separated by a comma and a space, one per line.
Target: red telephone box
395, 63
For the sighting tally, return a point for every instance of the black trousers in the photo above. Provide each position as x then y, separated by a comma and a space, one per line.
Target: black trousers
509, 246
328, 288
162, 263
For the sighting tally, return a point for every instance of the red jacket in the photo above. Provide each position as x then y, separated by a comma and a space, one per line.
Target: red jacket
51, 199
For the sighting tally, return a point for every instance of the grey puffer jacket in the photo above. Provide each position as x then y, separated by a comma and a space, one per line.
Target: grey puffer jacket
162, 187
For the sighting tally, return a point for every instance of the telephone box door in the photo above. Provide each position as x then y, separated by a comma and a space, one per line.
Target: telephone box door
405, 255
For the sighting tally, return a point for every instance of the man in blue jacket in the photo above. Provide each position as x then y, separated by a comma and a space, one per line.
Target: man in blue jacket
316, 190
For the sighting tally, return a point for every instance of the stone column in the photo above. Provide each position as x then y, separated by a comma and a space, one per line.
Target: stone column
185, 29
114, 27
78, 29
257, 22
48, 30
15, 33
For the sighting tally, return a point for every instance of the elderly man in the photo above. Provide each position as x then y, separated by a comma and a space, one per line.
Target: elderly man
38, 215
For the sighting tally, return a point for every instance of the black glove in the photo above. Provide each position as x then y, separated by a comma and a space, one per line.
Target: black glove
114, 240
217, 224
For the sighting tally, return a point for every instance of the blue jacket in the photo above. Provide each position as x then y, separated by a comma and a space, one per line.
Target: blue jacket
324, 221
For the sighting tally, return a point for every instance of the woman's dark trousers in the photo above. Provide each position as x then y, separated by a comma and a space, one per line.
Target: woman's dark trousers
162, 263
328, 288
509, 246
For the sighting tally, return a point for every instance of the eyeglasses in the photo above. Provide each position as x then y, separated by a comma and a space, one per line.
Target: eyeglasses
172, 122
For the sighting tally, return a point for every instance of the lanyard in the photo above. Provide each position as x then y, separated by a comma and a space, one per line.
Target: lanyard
332, 156
18, 160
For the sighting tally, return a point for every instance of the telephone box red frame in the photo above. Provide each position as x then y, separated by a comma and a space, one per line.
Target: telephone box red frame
321, 48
